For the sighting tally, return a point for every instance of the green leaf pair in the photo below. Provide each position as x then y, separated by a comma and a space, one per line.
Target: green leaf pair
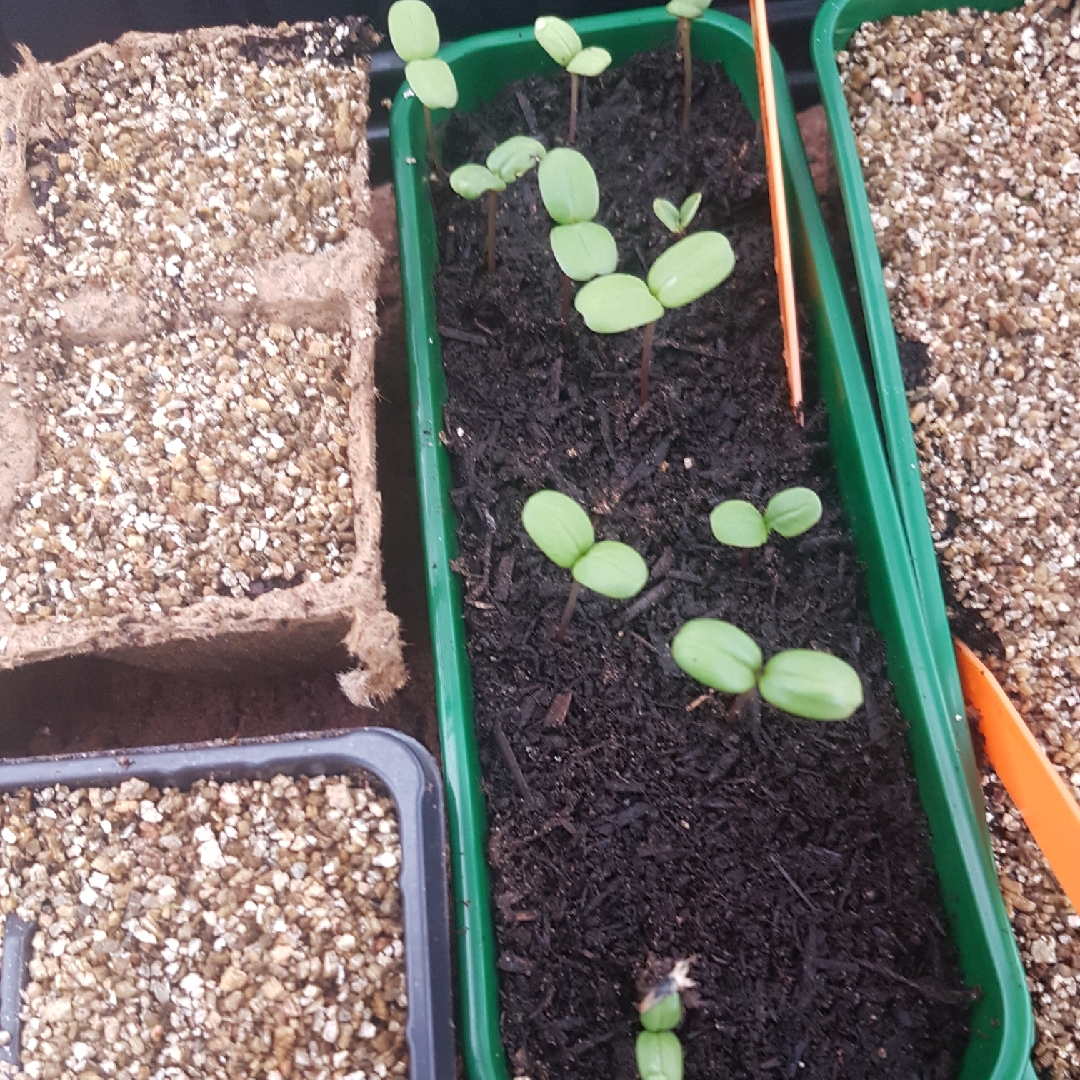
803, 682
790, 513
562, 531
687, 9
414, 33
582, 248
686, 271
508, 162
677, 219
561, 42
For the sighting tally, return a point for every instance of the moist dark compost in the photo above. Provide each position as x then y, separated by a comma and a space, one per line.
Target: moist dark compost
631, 818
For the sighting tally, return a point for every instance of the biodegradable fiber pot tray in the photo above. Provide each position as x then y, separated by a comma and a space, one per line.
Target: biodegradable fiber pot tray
187, 304
405, 770
1001, 1034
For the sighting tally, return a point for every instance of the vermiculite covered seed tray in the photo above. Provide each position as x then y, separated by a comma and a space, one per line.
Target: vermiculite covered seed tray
187, 325
236, 910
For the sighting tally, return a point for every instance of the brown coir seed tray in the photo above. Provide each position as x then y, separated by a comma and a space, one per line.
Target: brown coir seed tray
187, 325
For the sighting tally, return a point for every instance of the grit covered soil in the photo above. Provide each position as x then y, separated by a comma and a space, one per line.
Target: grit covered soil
968, 130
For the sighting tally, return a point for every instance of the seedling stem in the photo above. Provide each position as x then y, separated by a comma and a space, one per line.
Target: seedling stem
573, 109
684, 44
493, 202
646, 359
568, 611
433, 149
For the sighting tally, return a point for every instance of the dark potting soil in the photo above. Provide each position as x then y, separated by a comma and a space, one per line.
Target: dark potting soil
640, 822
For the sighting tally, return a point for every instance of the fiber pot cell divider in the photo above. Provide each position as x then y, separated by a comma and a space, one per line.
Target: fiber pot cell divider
1002, 1032
408, 773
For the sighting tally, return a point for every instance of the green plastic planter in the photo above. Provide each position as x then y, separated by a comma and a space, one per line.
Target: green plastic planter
1002, 1030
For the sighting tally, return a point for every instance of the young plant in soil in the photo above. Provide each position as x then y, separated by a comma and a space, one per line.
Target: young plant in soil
677, 218
582, 248
658, 1051
803, 682
509, 161
686, 11
687, 270
563, 532
561, 42
791, 512
414, 33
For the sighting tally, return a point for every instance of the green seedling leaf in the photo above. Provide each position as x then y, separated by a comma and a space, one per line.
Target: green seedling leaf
432, 82
611, 569
687, 9
664, 1015
691, 268
688, 210
617, 302
515, 157
558, 527
414, 33
583, 251
667, 213
738, 524
471, 181
793, 511
558, 39
590, 62
717, 654
568, 186
813, 685
659, 1056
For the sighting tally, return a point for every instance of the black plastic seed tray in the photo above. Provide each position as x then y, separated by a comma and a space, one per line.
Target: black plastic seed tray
407, 772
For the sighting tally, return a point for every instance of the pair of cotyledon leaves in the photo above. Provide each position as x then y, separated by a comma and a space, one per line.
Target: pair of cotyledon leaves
803, 682
563, 532
509, 161
790, 513
414, 33
677, 218
561, 42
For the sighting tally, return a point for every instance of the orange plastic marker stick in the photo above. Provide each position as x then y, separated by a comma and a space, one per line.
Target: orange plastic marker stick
775, 169
1042, 797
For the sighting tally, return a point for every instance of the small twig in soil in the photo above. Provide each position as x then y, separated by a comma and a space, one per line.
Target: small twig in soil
507, 751
504, 578
700, 700
527, 112
697, 350
560, 707
646, 601
662, 565
568, 611
791, 881
463, 336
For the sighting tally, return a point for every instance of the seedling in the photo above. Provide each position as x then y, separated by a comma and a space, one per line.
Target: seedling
563, 532
803, 682
658, 1050
677, 219
686, 11
561, 42
414, 33
508, 162
687, 270
582, 248
790, 513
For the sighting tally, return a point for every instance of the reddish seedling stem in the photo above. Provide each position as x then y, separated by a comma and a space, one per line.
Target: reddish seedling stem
646, 360
493, 202
564, 304
568, 611
573, 110
433, 150
740, 703
684, 45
